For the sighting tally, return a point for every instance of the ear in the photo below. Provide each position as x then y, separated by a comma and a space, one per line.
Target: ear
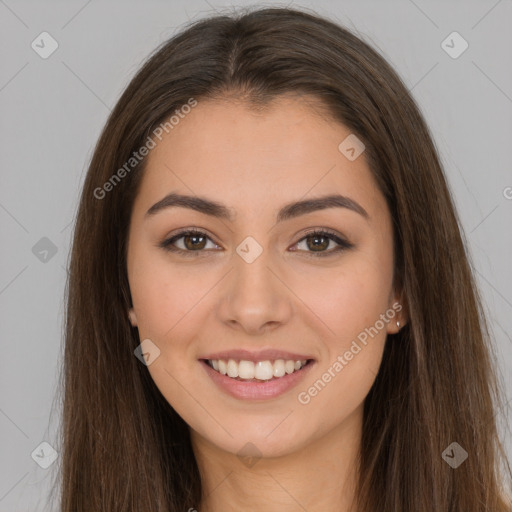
397, 312
132, 317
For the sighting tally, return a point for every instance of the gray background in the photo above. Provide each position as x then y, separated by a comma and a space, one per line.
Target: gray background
52, 111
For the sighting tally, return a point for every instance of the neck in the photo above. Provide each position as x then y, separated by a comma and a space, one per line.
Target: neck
318, 476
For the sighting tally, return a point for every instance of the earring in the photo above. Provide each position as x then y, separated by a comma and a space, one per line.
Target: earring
132, 318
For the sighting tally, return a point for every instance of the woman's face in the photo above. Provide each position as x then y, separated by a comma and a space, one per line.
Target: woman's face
256, 279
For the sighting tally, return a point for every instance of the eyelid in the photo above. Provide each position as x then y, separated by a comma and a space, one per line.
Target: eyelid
166, 244
341, 241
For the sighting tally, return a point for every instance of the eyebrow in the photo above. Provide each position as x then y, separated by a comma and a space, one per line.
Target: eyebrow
288, 211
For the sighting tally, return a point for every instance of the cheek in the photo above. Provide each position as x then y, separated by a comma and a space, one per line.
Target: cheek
334, 305
348, 298
352, 303
167, 301
163, 294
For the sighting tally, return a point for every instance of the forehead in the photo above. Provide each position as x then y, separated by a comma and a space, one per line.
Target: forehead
226, 150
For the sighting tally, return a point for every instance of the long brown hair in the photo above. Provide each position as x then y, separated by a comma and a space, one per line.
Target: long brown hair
124, 448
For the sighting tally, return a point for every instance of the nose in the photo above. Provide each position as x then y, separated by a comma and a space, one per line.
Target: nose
255, 298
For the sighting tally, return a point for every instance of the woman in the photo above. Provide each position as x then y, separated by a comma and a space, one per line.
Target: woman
270, 303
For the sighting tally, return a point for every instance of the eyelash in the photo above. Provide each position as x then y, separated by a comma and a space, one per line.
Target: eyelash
331, 235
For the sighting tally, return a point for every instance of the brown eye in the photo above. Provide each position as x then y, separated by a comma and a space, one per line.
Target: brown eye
317, 243
193, 242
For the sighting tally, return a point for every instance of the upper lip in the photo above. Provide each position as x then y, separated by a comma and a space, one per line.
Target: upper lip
262, 355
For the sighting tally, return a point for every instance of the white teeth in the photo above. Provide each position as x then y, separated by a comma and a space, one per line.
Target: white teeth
246, 370
279, 370
223, 367
261, 370
232, 369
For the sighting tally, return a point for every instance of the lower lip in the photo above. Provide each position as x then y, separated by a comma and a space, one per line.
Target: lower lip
252, 390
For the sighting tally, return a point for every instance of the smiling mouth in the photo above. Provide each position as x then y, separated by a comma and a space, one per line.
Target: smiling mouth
259, 371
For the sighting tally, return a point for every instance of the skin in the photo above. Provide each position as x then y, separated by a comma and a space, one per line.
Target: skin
255, 163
